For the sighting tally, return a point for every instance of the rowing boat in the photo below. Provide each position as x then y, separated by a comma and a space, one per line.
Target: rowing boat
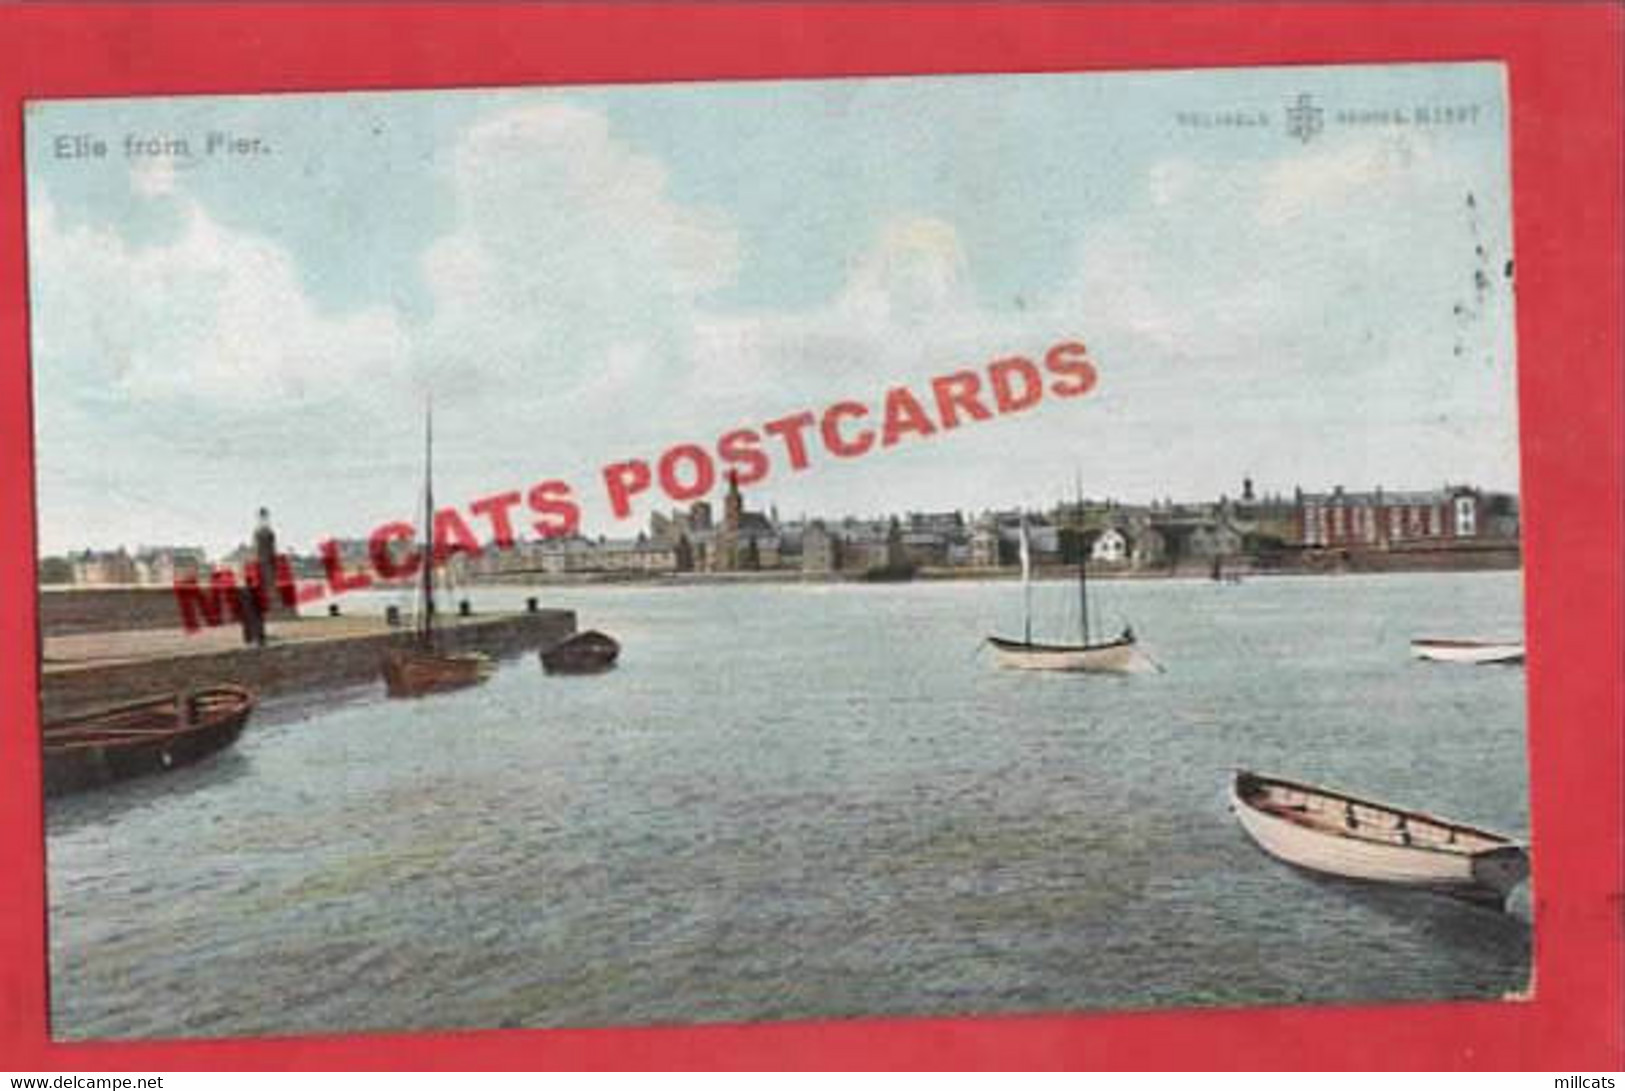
1467, 651
1338, 834
591, 652
153, 735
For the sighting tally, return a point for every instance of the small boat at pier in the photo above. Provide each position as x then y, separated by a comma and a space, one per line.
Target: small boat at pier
414, 672
591, 652
423, 667
118, 742
901, 572
1337, 834
1467, 651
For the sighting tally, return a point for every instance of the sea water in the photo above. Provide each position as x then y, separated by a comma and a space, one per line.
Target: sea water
821, 800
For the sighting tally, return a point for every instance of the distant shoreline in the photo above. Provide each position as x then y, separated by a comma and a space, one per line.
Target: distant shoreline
1494, 559
1048, 573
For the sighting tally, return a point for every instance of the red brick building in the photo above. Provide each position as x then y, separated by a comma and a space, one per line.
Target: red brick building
1385, 520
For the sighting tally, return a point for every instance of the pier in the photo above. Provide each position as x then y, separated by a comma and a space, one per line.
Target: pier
302, 655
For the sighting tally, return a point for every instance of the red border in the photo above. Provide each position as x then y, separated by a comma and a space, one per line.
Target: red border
1565, 64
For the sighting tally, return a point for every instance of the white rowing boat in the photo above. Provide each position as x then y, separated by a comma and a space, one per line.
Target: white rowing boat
1337, 834
1467, 651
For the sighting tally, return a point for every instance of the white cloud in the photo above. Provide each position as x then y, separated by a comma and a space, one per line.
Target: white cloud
913, 273
153, 176
1171, 181
567, 251
572, 323
212, 313
906, 310
1258, 257
1299, 295
1309, 185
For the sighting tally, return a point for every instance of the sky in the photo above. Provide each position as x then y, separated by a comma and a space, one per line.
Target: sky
582, 275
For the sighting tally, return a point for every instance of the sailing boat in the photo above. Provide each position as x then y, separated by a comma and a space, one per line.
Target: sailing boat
423, 668
1118, 656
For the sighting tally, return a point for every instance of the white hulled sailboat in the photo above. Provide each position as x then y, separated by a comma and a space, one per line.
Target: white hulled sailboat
1120, 655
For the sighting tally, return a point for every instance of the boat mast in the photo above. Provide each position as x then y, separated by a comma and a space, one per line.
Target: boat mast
1026, 579
1083, 556
426, 584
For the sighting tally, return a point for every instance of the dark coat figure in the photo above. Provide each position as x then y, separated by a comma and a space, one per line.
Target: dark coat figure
270, 572
253, 618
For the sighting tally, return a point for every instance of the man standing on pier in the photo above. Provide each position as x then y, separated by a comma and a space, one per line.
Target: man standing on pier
264, 583
253, 617
274, 591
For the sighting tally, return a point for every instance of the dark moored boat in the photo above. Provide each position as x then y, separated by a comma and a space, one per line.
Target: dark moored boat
148, 736
583, 653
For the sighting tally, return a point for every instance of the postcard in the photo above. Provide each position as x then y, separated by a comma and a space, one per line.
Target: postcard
737, 552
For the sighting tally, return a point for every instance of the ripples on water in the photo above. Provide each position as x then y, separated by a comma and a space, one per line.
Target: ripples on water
807, 801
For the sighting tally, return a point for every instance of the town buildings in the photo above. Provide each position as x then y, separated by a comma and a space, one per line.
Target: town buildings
1250, 531
147, 566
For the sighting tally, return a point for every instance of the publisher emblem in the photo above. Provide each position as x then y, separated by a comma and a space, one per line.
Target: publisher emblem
1303, 119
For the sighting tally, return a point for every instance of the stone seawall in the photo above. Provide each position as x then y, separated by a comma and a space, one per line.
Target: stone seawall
1488, 556
1482, 559
307, 664
64, 610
